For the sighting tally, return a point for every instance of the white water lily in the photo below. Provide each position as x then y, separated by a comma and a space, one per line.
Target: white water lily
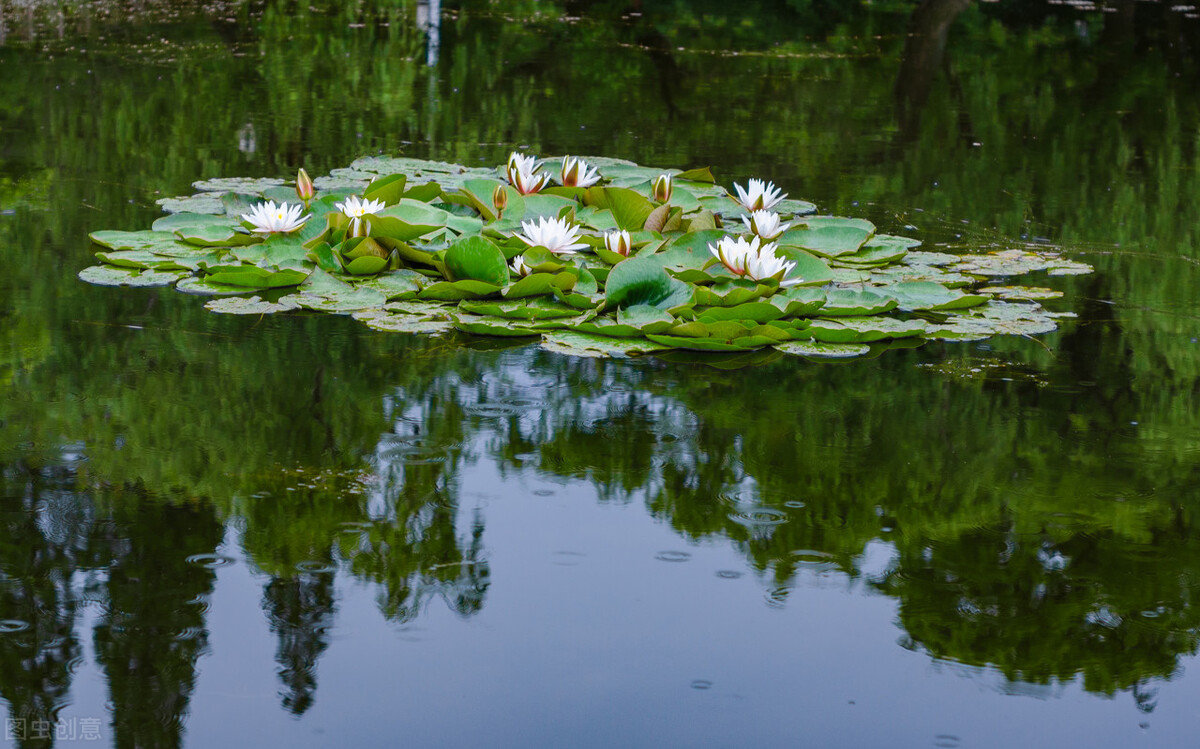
753, 259
576, 173
519, 267
768, 264
269, 218
661, 188
355, 209
765, 224
759, 195
618, 242
523, 174
555, 234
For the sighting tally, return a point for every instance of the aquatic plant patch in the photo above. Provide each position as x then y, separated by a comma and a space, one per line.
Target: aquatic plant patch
593, 257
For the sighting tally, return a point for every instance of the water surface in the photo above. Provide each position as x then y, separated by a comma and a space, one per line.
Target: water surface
296, 531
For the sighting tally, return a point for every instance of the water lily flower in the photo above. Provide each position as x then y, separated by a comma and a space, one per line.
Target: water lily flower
555, 234
523, 174
355, 208
577, 173
269, 218
618, 242
500, 199
768, 264
519, 267
765, 224
759, 195
662, 188
304, 186
754, 260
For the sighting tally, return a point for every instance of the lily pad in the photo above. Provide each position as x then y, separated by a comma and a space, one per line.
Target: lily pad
596, 346
250, 306
207, 202
476, 258
253, 277
855, 302
864, 329
105, 275
929, 296
401, 323
397, 285
237, 184
642, 280
821, 350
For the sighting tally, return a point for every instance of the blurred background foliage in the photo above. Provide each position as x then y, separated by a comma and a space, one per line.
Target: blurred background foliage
1037, 497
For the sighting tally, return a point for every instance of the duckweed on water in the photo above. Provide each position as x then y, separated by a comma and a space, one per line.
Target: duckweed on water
596, 257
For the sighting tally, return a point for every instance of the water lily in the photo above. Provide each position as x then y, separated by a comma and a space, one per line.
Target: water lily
759, 195
555, 234
304, 186
519, 267
268, 218
661, 188
523, 174
355, 208
768, 264
577, 173
618, 242
500, 199
765, 224
754, 260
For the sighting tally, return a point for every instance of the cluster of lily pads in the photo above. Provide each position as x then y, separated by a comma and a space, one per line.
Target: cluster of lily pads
597, 257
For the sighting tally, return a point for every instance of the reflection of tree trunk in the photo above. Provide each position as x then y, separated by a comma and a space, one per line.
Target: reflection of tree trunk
923, 52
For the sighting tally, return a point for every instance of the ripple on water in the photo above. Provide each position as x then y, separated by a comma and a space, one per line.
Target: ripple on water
673, 556
728, 574
413, 449
210, 561
946, 741
315, 567
758, 517
8, 626
702, 684
817, 561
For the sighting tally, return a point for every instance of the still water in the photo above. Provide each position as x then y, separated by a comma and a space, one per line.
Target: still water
296, 531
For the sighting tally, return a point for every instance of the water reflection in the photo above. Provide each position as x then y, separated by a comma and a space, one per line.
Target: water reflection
1029, 506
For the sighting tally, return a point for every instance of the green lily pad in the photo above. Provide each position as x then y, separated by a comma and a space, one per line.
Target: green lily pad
854, 302
105, 275
759, 312
820, 350
132, 240
1018, 262
177, 221
537, 308
476, 258
250, 306
207, 202
205, 287
829, 236
575, 343
1020, 293
397, 285
701, 344
393, 323
253, 277
645, 318
799, 301
254, 185
864, 329
338, 301
929, 296
457, 290
140, 259
539, 284
642, 280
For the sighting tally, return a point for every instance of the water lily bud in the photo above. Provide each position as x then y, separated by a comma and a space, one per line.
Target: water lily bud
304, 186
500, 199
662, 188
519, 267
618, 242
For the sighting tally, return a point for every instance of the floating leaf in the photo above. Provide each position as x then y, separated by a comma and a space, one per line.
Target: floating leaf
926, 295
457, 290
255, 185
103, 275
538, 308
253, 277
251, 306
585, 344
1020, 293
538, 284
820, 350
856, 302
642, 280
476, 258
397, 285
864, 329
203, 203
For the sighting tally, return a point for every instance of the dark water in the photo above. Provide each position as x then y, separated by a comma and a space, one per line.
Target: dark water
295, 531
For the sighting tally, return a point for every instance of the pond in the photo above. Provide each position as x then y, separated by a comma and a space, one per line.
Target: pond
294, 530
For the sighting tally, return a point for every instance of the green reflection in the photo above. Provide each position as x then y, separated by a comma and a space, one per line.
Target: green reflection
1039, 499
